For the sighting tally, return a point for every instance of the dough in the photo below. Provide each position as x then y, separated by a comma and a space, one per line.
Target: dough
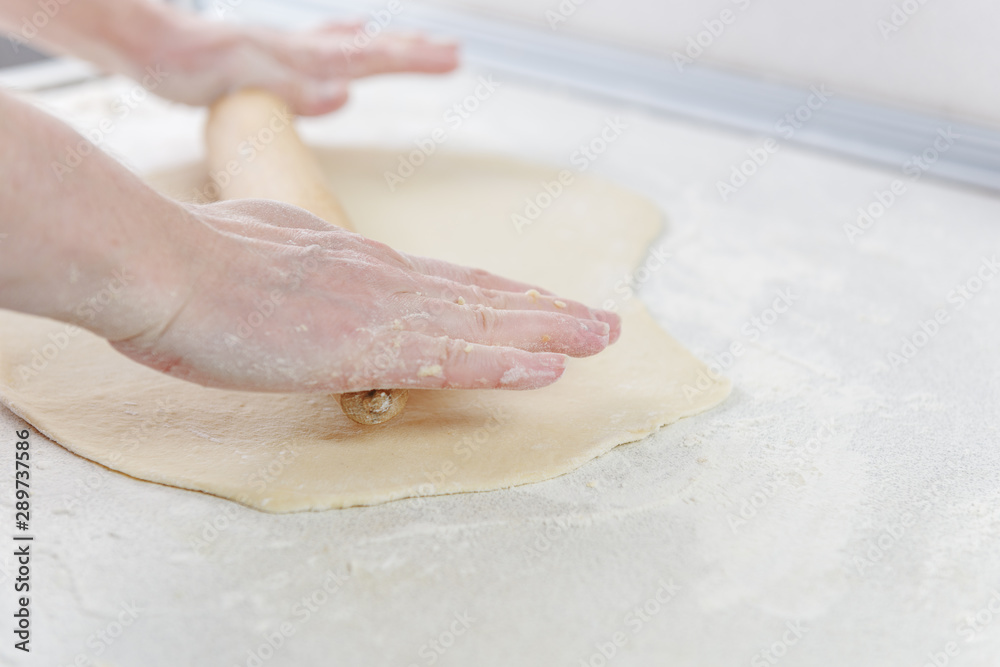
285, 453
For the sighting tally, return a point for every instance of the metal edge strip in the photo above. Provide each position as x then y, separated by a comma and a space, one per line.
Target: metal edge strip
847, 127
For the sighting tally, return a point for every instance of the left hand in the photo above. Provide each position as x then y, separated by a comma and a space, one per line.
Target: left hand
310, 69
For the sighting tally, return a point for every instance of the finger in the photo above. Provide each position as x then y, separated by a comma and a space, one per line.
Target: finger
486, 280
310, 96
613, 321
531, 330
341, 27
533, 300
394, 52
462, 294
428, 362
424, 58
329, 55
470, 276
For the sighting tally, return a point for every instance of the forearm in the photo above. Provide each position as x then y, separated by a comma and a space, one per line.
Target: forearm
88, 244
117, 35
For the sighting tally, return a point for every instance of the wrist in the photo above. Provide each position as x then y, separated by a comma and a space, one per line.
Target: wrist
124, 277
136, 287
92, 245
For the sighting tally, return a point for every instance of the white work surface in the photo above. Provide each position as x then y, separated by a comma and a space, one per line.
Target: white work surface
877, 536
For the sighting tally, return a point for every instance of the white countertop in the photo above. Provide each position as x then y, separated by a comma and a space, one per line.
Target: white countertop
831, 493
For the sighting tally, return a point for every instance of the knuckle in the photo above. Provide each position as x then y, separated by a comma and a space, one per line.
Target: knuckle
484, 294
449, 292
485, 319
479, 274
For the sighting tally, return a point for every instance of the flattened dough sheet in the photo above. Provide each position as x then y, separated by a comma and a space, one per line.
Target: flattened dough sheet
286, 453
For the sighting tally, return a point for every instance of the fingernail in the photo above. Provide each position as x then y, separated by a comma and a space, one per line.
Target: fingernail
615, 334
613, 320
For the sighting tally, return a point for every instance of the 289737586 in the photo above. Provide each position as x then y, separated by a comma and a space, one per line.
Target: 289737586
22, 540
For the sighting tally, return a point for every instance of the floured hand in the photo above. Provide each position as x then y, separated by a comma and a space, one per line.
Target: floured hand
310, 69
277, 300
187, 58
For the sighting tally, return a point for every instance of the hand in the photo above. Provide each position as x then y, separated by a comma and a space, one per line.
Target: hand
277, 300
184, 57
310, 69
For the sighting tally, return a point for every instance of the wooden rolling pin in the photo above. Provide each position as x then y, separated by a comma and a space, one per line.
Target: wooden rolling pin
253, 145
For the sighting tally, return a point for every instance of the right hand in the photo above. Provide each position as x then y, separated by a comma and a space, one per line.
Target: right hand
275, 299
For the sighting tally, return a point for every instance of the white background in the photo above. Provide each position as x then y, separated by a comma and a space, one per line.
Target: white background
945, 60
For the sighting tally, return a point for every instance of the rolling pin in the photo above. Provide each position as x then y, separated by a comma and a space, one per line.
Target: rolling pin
250, 137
